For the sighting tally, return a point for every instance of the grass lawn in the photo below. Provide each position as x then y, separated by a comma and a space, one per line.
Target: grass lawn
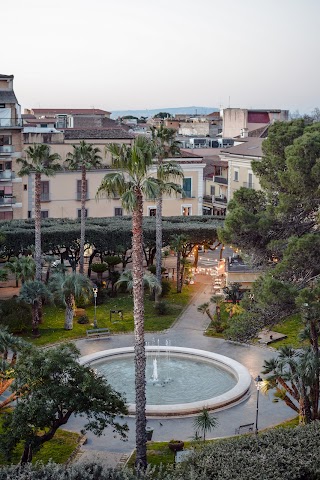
53, 317
58, 449
291, 327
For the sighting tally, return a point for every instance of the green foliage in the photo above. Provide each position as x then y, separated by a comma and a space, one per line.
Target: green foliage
166, 286
204, 422
83, 320
99, 267
15, 314
49, 400
161, 308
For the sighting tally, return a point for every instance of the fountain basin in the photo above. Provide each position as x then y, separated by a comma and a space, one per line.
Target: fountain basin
236, 390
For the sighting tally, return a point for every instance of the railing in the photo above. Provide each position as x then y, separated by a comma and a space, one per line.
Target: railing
45, 197
187, 194
7, 175
79, 196
10, 122
222, 180
211, 199
6, 149
248, 185
7, 200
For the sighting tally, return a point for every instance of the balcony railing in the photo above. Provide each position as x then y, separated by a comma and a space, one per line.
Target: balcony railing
248, 185
187, 194
6, 149
222, 180
7, 175
7, 201
10, 122
213, 200
45, 197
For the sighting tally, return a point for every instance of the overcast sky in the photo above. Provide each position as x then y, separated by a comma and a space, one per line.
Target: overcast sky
141, 54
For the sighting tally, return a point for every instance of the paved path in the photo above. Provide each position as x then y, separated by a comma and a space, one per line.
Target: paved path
188, 332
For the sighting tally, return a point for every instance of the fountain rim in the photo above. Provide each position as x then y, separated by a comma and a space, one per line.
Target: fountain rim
232, 396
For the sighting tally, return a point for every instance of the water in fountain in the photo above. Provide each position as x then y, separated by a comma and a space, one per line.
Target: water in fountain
155, 371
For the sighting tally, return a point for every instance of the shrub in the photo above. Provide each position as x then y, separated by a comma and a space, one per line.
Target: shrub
152, 269
161, 308
166, 287
83, 320
15, 314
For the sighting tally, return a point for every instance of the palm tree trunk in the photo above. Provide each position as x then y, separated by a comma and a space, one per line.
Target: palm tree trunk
83, 217
158, 242
179, 287
35, 319
68, 323
37, 239
139, 342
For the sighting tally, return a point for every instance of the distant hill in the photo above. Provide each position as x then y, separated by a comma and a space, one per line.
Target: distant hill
172, 111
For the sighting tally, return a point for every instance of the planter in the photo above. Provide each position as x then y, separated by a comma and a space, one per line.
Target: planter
176, 445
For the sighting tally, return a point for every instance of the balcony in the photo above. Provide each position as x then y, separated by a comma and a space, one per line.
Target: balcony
10, 122
248, 185
5, 201
6, 149
7, 175
219, 201
220, 180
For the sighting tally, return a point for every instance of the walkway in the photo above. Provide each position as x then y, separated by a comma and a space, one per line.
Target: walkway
188, 332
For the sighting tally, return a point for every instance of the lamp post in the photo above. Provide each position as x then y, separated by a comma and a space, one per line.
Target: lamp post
95, 293
258, 380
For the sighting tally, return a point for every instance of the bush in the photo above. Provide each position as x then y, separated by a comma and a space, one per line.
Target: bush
166, 287
83, 320
152, 269
15, 314
161, 308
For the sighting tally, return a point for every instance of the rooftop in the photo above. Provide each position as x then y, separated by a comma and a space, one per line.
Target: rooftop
69, 111
7, 96
252, 147
97, 133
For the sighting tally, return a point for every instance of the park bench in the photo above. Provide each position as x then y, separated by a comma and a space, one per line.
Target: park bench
98, 332
244, 429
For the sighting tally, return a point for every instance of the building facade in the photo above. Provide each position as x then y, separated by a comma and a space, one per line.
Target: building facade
10, 150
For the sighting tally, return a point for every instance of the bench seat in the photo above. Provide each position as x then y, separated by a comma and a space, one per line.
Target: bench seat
98, 332
244, 428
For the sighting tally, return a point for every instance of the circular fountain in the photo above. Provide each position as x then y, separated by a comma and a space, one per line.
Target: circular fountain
179, 381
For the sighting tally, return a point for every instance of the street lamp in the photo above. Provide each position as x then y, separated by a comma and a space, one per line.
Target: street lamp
95, 293
258, 380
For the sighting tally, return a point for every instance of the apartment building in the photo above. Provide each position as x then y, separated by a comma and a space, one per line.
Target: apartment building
241, 122
239, 160
10, 150
67, 118
61, 195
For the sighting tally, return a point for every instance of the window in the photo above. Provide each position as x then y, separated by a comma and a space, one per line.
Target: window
187, 187
5, 140
79, 212
25, 187
152, 211
45, 195
236, 174
212, 190
186, 210
250, 180
29, 214
118, 212
44, 213
6, 215
8, 165
79, 189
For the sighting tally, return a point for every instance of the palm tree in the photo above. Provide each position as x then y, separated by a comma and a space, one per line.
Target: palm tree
204, 422
33, 293
131, 182
178, 243
23, 268
68, 289
164, 145
149, 281
84, 157
39, 161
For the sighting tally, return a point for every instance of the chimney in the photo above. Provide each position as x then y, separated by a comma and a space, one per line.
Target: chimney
244, 132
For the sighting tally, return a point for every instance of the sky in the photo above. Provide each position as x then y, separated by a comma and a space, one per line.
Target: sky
144, 54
